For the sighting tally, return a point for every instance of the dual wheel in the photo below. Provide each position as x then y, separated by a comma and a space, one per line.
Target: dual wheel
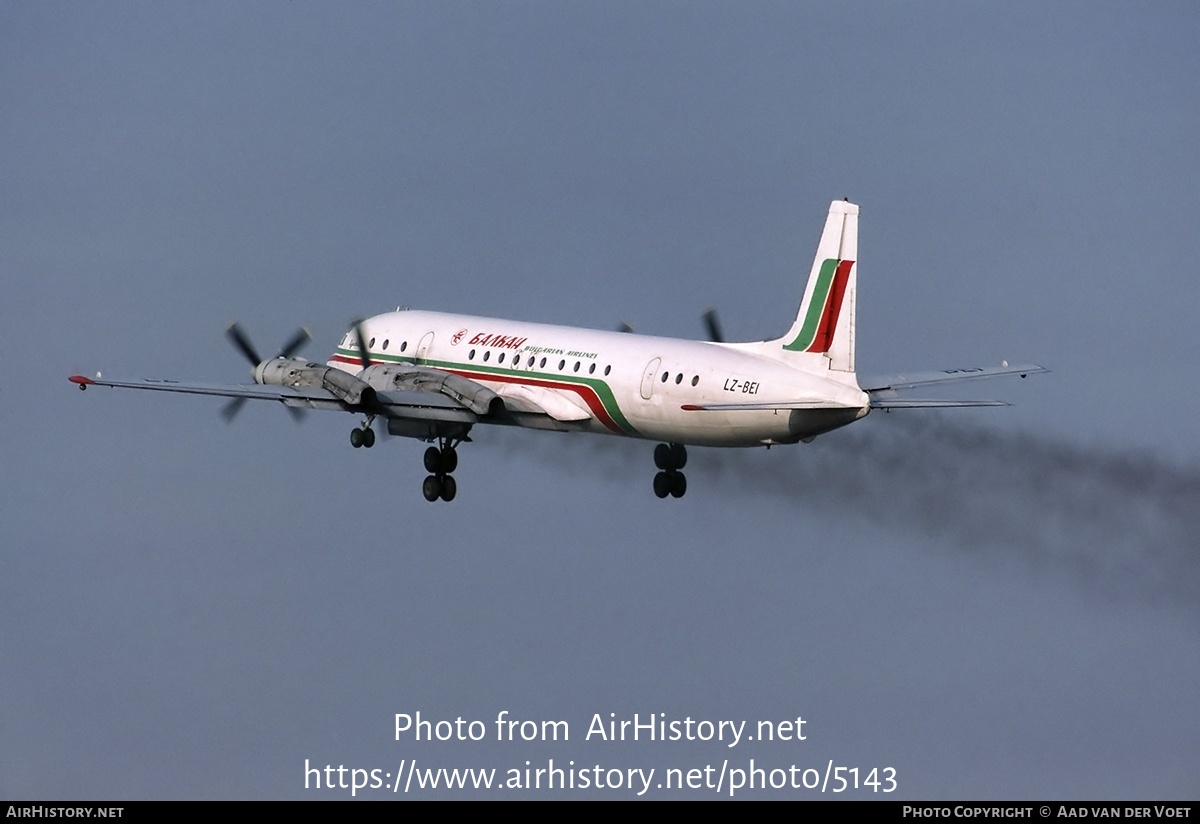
440, 484
670, 458
363, 436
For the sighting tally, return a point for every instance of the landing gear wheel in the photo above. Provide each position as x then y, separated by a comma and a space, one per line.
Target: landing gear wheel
368, 438
669, 456
678, 456
356, 438
432, 488
662, 457
678, 484
433, 459
440, 461
662, 484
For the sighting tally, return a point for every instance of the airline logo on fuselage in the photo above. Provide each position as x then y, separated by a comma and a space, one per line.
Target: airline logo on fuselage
498, 341
457, 337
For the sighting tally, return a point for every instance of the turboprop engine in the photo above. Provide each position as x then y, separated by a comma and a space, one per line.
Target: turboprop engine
404, 377
297, 373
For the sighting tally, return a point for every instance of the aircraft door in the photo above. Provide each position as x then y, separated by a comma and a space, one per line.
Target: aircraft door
423, 347
649, 376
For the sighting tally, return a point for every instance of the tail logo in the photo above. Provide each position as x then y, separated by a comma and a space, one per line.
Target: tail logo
820, 321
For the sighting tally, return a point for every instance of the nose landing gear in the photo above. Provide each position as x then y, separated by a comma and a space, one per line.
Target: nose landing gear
670, 458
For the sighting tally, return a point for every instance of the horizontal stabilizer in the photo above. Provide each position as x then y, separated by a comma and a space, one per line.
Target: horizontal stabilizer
913, 403
914, 379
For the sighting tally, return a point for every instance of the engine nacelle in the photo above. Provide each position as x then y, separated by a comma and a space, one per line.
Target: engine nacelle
301, 373
395, 376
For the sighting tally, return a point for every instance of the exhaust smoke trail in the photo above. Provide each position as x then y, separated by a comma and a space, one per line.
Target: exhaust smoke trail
1120, 524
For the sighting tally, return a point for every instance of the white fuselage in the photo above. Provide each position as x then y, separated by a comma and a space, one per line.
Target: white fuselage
618, 383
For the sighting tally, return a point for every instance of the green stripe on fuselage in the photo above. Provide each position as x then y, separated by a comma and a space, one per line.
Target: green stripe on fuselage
816, 308
601, 388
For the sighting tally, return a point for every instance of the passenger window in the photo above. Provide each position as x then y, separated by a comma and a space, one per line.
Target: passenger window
487, 355
679, 378
471, 355
695, 379
592, 369
665, 376
607, 369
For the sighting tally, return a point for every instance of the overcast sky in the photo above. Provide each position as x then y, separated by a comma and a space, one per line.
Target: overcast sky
994, 603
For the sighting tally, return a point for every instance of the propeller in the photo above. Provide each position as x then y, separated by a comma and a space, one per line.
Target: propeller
364, 358
361, 339
714, 328
241, 342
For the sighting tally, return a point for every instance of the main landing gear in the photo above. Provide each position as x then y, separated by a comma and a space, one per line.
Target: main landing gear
440, 460
670, 458
364, 435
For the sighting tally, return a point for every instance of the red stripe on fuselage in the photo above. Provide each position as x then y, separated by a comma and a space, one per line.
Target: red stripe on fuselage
585, 392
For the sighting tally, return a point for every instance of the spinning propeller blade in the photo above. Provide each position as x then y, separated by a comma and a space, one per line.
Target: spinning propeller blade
241, 342
714, 328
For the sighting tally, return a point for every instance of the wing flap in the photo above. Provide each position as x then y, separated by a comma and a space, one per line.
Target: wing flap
427, 406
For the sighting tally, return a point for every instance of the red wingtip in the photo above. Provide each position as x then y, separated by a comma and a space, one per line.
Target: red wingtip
81, 380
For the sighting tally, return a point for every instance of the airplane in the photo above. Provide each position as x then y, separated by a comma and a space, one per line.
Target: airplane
434, 376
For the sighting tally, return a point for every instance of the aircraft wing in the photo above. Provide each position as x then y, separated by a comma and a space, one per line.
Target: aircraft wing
395, 404
884, 390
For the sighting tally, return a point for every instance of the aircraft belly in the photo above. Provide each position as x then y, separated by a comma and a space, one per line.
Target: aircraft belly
717, 428
746, 427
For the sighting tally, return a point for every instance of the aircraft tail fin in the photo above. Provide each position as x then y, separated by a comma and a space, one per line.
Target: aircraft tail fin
822, 335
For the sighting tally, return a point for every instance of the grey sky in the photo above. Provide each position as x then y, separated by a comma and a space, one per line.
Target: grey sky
997, 603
